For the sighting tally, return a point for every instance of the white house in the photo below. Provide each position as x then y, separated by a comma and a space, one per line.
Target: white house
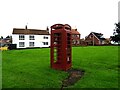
29, 38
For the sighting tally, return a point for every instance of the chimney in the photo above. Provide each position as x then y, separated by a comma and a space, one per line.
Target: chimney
26, 27
47, 29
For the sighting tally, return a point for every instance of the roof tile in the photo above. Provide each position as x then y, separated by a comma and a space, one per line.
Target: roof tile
30, 31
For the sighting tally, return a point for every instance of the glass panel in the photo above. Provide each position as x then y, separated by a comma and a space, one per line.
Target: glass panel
31, 44
45, 43
21, 44
55, 55
68, 48
31, 37
57, 48
45, 37
21, 37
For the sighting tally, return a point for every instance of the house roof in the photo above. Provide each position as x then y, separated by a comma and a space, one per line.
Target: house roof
74, 31
99, 35
30, 31
59, 26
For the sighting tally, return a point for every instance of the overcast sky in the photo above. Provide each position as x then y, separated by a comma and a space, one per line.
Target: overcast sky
85, 15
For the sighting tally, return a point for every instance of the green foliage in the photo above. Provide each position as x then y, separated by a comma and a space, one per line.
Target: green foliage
1, 37
31, 68
116, 37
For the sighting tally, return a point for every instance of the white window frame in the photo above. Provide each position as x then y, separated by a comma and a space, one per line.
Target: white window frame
31, 37
31, 44
45, 37
45, 43
21, 37
21, 44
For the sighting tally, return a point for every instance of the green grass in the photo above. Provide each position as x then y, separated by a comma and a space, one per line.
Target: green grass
100, 65
31, 68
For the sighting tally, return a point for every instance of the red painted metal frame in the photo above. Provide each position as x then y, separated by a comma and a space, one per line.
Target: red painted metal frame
61, 47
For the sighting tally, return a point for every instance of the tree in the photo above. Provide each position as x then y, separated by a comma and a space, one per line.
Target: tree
1, 37
8, 36
116, 34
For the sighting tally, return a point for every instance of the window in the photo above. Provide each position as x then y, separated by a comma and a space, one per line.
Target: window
31, 37
21, 37
78, 35
21, 44
45, 37
90, 36
45, 43
31, 44
78, 42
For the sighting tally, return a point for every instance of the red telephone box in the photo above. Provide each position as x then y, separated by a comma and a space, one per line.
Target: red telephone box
61, 47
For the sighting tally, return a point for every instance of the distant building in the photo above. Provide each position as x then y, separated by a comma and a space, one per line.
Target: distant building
95, 39
107, 41
5, 41
30, 38
75, 37
83, 42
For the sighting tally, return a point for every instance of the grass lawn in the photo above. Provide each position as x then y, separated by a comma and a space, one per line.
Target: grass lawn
30, 68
